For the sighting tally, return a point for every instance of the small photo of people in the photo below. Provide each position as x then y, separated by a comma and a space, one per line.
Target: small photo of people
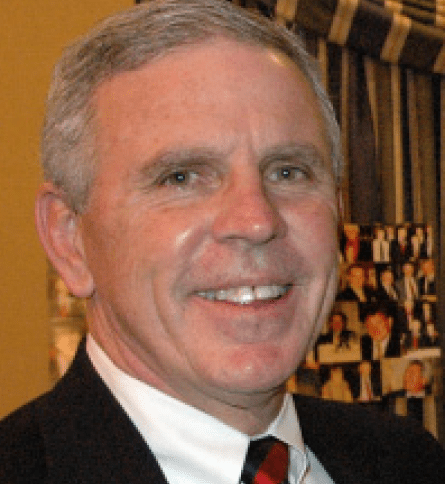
380, 346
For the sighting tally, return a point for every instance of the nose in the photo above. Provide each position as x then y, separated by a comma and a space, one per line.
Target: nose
246, 213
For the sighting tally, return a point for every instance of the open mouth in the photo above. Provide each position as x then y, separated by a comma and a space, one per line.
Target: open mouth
246, 294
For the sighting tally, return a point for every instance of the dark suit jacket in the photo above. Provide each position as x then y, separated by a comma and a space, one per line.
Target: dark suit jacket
431, 287
392, 350
345, 336
376, 381
78, 433
382, 294
348, 294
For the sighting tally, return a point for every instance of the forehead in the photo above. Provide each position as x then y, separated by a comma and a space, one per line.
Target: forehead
414, 368
351, 229
197, 91
375, 318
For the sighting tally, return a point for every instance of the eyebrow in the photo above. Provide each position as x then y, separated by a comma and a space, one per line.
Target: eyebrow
307, 153
175, 158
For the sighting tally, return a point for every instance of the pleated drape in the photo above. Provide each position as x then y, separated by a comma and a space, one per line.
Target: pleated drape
388, 94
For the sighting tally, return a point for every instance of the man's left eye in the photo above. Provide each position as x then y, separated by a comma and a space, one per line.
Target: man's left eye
288, 173
179, 177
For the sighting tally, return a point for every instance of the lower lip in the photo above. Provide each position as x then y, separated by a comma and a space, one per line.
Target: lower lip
258, 322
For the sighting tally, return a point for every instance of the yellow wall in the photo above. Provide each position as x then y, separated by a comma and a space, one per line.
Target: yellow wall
32, 35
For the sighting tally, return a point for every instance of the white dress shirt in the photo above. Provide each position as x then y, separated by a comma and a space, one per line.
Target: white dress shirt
379, 347
191, 446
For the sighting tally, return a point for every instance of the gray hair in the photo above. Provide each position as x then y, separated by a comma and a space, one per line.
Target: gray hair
129, 40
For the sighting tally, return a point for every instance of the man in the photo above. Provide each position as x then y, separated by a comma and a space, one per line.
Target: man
356, 289
354, 249
380, 246
339, 343
416, 336
338, 333
192, 168
407, 285
416, 388
403, 249
337, 387
418, 243
427, 281
380, 340
366, 387
429, 318
387, 290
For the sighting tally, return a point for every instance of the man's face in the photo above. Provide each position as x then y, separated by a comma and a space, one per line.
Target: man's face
211, 227
337, 322
414, 380
408, 269
428, 267
357, 277
378, 326
351, 231
402, 234
387, 278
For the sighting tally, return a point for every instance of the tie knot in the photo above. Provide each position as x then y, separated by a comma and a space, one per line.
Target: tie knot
267, 462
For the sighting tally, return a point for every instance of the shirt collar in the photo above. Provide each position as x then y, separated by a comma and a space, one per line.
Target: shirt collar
186, 441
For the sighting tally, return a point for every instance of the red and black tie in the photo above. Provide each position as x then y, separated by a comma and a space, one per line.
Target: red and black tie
267, 462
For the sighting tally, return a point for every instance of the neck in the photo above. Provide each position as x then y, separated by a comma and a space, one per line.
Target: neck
250, 414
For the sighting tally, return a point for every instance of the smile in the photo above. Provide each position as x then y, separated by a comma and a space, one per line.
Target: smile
246, 294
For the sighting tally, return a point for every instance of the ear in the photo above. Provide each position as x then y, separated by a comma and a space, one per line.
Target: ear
59, 229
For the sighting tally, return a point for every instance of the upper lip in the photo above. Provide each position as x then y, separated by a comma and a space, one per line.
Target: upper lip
224, 286
246, 294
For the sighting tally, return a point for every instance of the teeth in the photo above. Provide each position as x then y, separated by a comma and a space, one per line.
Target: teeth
245, 294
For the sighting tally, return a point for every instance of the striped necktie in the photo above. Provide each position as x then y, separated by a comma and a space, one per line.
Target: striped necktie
267, 462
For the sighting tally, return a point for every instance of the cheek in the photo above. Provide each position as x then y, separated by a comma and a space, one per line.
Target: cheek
115, 244
315, 224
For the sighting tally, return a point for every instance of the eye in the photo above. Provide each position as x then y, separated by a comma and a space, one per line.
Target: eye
179, 178
198, 177
288, 174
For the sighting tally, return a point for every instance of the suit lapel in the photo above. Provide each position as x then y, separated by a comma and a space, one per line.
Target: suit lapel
88, 436
329, 436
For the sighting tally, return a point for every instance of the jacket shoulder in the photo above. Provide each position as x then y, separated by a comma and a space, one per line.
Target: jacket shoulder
22, 446
373, 443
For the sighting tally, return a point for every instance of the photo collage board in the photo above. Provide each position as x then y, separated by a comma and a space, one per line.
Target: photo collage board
380, 346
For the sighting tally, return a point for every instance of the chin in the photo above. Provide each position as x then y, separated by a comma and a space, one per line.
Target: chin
254, 377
